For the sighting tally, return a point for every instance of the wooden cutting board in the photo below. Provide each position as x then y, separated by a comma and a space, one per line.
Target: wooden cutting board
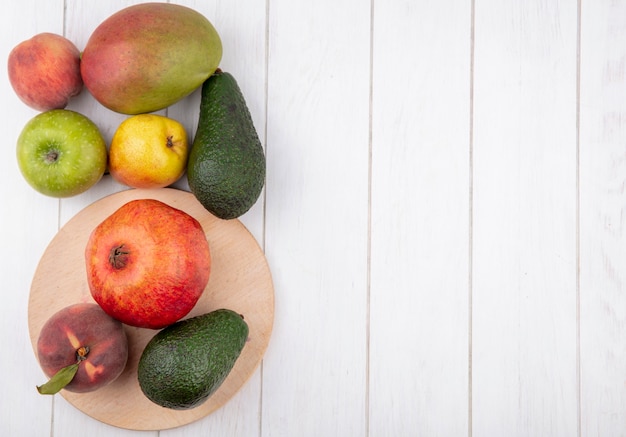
240, 280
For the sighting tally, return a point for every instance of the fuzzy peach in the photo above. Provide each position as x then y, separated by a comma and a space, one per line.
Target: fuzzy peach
44, 71
83, 333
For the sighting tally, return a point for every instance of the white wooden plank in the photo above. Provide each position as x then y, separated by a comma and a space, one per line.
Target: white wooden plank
524, 341
419, 324
28, 221
602, 235
314, 375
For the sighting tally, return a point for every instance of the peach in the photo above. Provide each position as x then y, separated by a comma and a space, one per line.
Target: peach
83, 333
44, 71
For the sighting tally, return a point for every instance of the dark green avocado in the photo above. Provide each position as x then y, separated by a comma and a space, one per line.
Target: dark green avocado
226, 167
186, 362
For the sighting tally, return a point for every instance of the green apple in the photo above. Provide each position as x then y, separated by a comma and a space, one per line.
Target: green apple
61, 153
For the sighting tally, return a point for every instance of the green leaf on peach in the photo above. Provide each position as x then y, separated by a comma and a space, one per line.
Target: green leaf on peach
59, 380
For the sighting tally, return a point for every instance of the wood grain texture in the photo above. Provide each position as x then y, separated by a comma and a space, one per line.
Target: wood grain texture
467, 193
602, 222
314, 375
420, 184
524, 335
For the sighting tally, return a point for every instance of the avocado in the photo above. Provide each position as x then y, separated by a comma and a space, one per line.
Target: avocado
226, 167
186, 362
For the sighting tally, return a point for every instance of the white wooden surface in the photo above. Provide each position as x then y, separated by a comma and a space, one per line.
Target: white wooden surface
444, 216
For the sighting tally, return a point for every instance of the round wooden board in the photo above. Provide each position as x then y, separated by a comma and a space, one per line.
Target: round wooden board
240, 280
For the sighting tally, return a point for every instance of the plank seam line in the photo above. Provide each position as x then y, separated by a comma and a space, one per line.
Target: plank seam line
470, 278
264, 213
577, 226
369, 223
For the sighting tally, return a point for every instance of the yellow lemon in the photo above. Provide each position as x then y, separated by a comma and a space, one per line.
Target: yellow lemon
148, 151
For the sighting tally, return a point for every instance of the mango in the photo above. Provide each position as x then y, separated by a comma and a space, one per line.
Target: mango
148, 56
